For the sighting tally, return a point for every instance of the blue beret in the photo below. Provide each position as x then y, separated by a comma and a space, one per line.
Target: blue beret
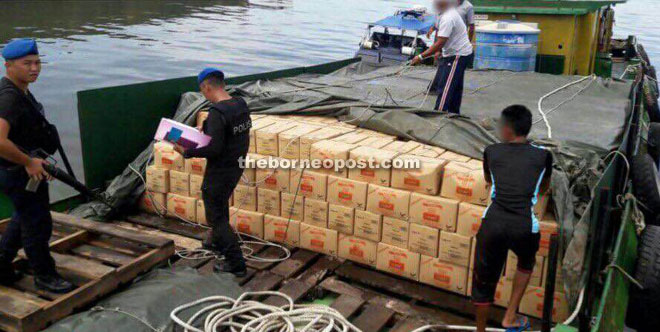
208, 71
19, 48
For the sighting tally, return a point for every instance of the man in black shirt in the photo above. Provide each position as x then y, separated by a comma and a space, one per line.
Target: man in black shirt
229, 125
23, 129
517, 170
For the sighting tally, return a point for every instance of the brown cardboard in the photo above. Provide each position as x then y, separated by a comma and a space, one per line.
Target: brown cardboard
181, 206
546, 228
473, 251
245, 198
249, 175
195, 166
158, 179
290, 209
453, 156
532, 304
364, 154
388, 201
353, 137
347, 192
402, 147
426, 179
465, 184
256, 125
165, 157
315, 212
307, 140
398, 261
512, 266
282, 230
455, 248
201, 213
395, 232
268, 201
248, 222
326, 152
357, 249
443, 275
318, 239
153, 202
196, 186
289, 140
424, 240
429, 151
340, 218
469, 219
311, 184
433, 211
541, 206
503, 292
368, 225
266, 138
376, 142
180, 183
273, 178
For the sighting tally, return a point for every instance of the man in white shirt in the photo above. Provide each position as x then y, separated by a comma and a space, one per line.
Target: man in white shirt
456, 52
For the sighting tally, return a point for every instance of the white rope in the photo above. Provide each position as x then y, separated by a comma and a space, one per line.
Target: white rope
544, 114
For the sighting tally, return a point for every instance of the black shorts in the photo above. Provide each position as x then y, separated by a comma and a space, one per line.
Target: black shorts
498, 234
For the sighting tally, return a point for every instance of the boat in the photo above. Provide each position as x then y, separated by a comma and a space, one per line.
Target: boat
613, 243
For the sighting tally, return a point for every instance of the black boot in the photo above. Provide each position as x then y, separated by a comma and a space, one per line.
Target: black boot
8, 275
53, 283
237, 269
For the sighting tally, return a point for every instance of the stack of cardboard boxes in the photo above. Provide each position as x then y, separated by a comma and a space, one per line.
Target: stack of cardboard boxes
416, 223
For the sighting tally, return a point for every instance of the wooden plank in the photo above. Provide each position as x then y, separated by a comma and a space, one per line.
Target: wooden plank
102, 254
119, 245
295, 289
169, 225
109, 229
19, 304
373, 318
190, 263
263, 281
179, 241
347, 305
82, 266
319, 270
69, 241
337, 286
407, 325
268, 253
244, 280
144, 263
298, 260
26, 284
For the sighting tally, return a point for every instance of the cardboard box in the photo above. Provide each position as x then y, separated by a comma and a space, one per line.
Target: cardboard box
180, 183
424, 240
541, 206
428, 151
425, 179
256, 125
282, 230
368, 225
326, 152
181, 206
248, 222
465, 184
153, 202
503, 292
353, 137
322, 134
357, 249
402, 147
451, 277
273, 179
312, 184
433, 211
201, 213
292, 209
475, 163
249, 176
347, 192
532, 304
245, 198
546, 228
195, 166
469, 219
365, 154
158, 179
395, 232
512, 266
455, 248
268, 201
388, 201
316, 212
453, 156
266, 138
165, 157
473, 252
196, 186
376, 142
340, 218
289, 141
318, 239
398, 261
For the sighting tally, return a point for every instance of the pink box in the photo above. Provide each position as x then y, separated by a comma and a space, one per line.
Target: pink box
177, 133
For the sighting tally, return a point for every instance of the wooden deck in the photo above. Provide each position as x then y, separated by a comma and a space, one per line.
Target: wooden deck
96, 257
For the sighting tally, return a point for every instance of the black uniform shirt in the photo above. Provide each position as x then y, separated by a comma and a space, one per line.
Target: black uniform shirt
19, 110
229, 125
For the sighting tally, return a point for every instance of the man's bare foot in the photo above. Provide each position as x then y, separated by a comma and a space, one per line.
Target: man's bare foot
520, 321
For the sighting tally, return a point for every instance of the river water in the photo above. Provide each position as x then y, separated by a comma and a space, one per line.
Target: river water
89, 44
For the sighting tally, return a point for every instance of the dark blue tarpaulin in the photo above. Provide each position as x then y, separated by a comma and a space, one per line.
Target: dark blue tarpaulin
405, 21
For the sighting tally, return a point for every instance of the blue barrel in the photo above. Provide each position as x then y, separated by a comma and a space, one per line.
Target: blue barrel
506, 45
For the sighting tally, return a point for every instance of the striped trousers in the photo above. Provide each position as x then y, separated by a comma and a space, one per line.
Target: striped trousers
448, 83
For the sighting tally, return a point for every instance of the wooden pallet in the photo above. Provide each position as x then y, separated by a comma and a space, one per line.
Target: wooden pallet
96, 257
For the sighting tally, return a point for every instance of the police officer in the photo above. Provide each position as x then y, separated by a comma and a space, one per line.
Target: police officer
229, 125
23, 129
